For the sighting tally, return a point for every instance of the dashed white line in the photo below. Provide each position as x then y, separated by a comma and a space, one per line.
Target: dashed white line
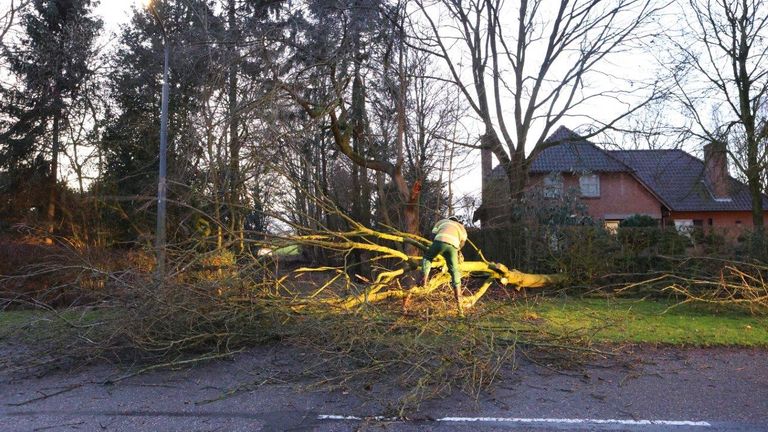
686, 423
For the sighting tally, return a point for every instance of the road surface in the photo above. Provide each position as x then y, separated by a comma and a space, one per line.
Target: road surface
659, 390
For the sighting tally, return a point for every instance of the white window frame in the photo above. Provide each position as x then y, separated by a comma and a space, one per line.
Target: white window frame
589, 185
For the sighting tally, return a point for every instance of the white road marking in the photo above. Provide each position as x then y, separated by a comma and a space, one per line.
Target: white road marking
534, 420
341, 417
577, 421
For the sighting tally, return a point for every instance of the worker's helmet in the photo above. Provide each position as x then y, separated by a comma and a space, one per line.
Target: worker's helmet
455, 219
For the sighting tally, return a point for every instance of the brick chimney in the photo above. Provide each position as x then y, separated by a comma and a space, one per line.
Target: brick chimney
716, 170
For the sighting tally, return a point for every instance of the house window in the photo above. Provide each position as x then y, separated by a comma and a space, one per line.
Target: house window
553, 186
612, 226
684, 226
589, 185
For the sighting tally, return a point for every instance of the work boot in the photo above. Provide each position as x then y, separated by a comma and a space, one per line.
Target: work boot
406, 303
457, 295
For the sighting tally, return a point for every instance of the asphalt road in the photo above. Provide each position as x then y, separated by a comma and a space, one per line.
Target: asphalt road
660, 390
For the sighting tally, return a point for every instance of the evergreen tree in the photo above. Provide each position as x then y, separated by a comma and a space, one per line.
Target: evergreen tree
51, 64
131, 140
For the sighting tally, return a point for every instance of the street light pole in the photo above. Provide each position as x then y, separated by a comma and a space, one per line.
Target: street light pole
162, 183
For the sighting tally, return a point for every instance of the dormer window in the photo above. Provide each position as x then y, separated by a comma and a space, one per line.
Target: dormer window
589, 185
553, 186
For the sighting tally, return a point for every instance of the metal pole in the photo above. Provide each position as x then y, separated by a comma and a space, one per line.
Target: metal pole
160, 237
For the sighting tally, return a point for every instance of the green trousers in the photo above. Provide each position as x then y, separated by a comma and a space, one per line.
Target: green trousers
451, 255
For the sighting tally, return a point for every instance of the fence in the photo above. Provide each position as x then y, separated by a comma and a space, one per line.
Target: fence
589, 251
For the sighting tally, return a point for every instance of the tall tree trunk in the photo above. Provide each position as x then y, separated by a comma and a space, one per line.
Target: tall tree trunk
358, 130
411, 215
411, 195
756, 195
235, 212
324, 179
449, 161
360, 186
381, 190
365, 198
52, 197
519, 175
745, 81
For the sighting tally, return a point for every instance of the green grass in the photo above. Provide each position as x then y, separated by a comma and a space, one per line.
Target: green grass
590, 320
10, 319
631, 321
36, 324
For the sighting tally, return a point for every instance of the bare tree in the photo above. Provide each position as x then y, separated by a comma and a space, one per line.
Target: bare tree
721, 72
548, 65
431, 119
373, 45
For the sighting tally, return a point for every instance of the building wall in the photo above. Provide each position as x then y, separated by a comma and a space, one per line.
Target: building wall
729, 223
621, 196
719, 219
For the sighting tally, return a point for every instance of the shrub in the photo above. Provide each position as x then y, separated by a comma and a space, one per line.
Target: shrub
638, 221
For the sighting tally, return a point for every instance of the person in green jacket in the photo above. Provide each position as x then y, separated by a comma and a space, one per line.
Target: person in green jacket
450, 236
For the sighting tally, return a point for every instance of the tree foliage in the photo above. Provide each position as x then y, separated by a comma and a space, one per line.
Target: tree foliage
52, 65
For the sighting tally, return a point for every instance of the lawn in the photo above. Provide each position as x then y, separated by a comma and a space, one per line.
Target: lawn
36, 324
631, 321
10, 319
589, 320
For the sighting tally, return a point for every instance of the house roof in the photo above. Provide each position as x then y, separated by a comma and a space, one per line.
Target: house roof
678, 179
565, 151
675, 177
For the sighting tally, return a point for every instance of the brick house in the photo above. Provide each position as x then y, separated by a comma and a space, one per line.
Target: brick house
670, 186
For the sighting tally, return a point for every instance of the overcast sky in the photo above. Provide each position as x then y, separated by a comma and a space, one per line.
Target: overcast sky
116, 12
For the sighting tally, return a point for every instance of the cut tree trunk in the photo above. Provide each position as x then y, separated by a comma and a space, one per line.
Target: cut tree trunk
380, 247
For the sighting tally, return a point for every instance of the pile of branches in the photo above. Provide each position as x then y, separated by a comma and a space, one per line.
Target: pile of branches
709, 281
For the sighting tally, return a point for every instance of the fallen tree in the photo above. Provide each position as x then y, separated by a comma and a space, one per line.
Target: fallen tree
388, 249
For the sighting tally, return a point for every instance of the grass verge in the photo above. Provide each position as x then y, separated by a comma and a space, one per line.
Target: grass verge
592, 320
631, 321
